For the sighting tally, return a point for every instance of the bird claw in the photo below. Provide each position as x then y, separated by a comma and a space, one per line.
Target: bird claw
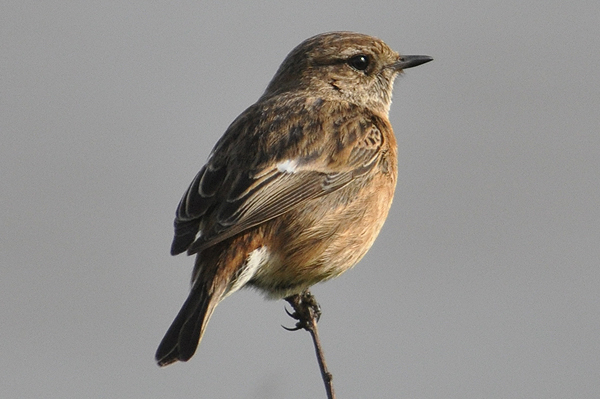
292, 315
306, 310
292, 328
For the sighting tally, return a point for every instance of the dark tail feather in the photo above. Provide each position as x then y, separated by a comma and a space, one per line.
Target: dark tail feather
184, 335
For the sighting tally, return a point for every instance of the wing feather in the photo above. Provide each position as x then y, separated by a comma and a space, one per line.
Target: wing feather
230, 195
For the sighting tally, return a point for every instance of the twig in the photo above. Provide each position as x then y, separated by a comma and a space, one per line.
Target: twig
307, 311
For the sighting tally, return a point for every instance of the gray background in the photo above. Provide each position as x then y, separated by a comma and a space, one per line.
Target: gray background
484, 282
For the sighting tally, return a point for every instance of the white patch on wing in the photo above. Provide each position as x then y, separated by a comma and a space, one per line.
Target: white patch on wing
287, 166
255, 260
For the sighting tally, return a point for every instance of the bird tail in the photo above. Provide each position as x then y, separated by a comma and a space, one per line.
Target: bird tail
182, 339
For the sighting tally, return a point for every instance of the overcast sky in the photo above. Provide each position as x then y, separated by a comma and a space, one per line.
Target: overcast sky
484, 283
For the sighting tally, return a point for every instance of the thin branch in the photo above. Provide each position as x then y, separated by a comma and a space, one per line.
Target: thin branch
307, 311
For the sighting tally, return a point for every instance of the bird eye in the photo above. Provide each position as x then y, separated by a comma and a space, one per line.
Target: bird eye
359, 62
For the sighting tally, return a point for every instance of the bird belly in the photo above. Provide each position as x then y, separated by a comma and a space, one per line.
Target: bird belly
323, 238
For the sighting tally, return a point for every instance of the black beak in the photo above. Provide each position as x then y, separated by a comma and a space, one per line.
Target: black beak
409, 61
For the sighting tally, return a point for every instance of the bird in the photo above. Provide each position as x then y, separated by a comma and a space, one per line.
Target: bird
298, 187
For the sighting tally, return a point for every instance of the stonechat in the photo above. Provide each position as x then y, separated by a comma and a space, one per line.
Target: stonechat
298, 187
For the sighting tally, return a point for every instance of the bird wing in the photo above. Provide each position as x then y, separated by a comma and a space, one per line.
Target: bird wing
227, 198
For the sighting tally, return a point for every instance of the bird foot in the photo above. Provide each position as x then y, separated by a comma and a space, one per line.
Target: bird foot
306, 310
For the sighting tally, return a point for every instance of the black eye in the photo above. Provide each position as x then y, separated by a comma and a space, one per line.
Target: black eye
359, 62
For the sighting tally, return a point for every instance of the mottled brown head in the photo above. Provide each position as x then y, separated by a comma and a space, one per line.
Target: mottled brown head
343, 66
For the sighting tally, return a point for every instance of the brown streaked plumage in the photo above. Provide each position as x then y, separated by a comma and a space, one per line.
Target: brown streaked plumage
298, 187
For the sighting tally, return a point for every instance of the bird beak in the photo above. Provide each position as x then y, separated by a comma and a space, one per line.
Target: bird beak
409, 61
